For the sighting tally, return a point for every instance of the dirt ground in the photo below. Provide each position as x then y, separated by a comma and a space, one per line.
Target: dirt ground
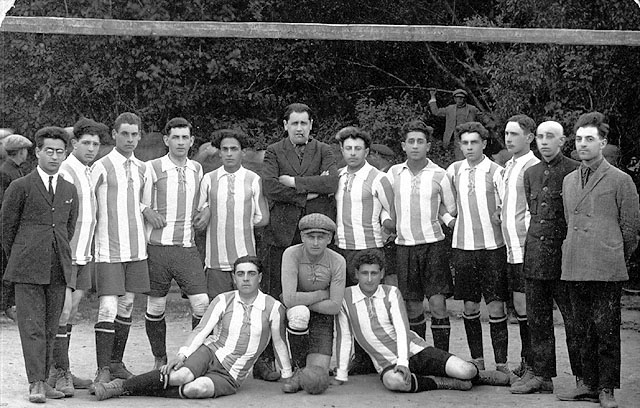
360, 391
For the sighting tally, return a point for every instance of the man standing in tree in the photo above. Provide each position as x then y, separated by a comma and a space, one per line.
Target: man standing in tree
170, 235
455, 114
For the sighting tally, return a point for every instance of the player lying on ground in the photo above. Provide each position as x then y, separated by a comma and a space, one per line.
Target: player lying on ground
221, 350
376, 316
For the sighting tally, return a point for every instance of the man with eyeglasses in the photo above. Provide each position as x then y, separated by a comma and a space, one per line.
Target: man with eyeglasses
121, 181
219, 353
87, 136
364, 203
37, 221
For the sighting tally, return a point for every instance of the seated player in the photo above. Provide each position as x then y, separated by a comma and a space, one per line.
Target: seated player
313, 279
222, 349
376, 316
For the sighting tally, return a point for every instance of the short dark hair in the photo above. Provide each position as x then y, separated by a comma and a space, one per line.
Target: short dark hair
593, 119
472, 127
219, 135
85, 126
248, 259
176, 123
129, 118
526, 123
51, 132
368, 257
352, 132
297, 107
417, 126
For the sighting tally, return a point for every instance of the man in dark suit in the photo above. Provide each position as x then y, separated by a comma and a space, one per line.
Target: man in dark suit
38, 219
299, 178
16, 148
603, 219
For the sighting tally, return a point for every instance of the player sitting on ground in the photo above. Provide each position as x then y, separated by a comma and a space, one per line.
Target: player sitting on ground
222, 349
376, 316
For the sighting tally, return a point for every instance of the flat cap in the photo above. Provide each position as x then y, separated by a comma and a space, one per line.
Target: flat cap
16, 142
317, 222
459, 92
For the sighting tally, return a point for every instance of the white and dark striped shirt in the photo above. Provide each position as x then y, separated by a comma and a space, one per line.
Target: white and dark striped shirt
175, 196
380, 325
236, 204
421, 201
79, 175
119, 184
238, 333
364, 200
477, 199
515, 214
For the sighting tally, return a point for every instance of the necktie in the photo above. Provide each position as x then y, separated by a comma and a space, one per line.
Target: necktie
51, 192
127, 168
586, 172
246, 316
507, 170
300, 151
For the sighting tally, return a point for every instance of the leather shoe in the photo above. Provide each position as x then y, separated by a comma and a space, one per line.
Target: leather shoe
582, 392
51, 393
606, 398
504, 368
36, 392
491, 377
64, 383
119, 370
81, 383
292, 384
534, 385
263, 370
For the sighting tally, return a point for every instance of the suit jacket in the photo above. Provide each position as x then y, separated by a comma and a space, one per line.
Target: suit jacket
9, 171
31, 225
286, 204
449, 114
547, 227
603, 220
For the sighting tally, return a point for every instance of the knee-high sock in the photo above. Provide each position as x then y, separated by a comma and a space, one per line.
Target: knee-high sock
499, 338
195, 320
525, 338
105, 333
61, 349
421, 383
419, 325
299, 345
122, 325
473, 328
441, 331
156, 327
148, 383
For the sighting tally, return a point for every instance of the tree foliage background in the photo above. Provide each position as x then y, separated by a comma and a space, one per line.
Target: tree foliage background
217, 83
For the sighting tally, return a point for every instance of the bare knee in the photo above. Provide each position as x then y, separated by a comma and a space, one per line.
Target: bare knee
201, 387
520, 303
458, 368
414, 308
438, 306
393, 381
181, 376
496, 308
199, 303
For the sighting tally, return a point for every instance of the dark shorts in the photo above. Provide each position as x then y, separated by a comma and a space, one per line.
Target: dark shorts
349, 256
81, 276
218, 281
430, 361
321, 334
423, 270
517, 282
175, 262
479, 273
204, 363
122, 277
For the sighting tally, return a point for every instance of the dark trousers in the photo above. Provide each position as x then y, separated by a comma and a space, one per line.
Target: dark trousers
597, 306
540, 296
39, 309
272, 277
